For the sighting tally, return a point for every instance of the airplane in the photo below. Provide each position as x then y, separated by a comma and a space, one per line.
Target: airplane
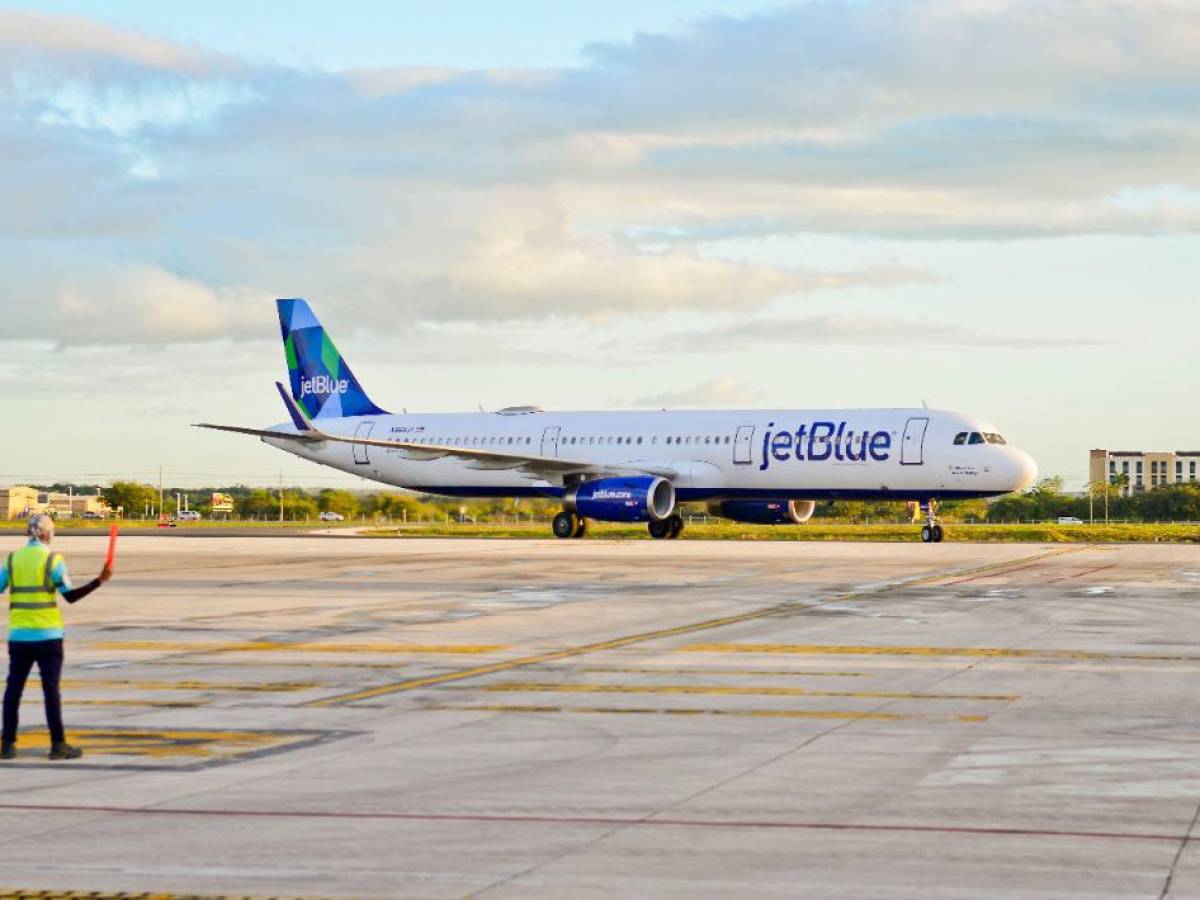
767, 466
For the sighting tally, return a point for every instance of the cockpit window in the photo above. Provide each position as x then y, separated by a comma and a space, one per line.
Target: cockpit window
976, 438
993, 438
960, 439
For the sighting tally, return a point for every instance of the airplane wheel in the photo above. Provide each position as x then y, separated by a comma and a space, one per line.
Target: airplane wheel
676, 525
926, 534
581, 527
938, 534
563, 525
659, 529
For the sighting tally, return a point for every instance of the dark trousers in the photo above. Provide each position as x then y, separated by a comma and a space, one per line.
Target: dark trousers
49, 658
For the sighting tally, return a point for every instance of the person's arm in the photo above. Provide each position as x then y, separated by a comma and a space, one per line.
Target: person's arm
73, 595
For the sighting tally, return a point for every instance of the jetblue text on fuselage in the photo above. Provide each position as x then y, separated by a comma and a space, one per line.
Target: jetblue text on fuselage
323, 384
819, 441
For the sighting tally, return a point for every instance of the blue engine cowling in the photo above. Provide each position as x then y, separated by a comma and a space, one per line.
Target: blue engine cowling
764, 512
638, 499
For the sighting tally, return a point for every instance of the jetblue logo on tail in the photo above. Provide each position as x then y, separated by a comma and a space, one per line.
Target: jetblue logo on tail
320, 385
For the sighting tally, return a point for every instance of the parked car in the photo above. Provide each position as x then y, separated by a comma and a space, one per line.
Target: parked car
330, 516
188, 515
92, 514
1070, 520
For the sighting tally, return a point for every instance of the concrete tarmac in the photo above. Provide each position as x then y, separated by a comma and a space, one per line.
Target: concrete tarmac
445, 718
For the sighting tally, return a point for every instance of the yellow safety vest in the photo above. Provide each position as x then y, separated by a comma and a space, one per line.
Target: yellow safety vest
32, 597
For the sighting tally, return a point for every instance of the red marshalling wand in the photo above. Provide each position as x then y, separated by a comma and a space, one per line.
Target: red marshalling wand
112, 546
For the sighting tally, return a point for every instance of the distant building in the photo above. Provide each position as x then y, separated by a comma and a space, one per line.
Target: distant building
19, 501
1147, 469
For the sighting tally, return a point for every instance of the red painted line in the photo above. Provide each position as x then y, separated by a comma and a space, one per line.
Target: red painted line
602, 821
1084, 572
992, 574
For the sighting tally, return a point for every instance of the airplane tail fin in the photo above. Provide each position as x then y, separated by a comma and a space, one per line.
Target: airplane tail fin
323, 386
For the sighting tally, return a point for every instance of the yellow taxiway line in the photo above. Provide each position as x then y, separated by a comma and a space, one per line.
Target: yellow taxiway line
298, 647
660, 633
865, 650
715, 670
747, 713
739, 691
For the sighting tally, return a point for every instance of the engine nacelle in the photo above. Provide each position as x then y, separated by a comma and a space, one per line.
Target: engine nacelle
764, 512
641, 498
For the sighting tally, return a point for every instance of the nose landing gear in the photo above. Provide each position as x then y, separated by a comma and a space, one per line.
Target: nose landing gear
932, 531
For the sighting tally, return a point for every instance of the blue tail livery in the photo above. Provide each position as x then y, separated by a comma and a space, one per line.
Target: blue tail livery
322, 383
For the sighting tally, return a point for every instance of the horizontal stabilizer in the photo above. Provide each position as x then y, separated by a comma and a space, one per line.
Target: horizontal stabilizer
311, 437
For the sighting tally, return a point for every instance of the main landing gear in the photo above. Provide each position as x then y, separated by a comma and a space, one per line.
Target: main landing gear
572, 525
932, 531
568, 525
668, 528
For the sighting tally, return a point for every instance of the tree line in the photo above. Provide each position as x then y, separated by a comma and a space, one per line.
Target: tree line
1045, 501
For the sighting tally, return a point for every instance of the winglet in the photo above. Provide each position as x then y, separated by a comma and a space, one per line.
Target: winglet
298, 418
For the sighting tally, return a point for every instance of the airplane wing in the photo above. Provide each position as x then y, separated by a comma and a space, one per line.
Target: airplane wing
534, 465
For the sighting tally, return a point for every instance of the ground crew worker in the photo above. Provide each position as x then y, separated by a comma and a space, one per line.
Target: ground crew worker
33, 576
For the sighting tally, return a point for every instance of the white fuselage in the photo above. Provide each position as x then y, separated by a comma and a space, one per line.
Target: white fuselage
902, 454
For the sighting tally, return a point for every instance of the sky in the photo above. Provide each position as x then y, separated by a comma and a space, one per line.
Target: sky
983, 205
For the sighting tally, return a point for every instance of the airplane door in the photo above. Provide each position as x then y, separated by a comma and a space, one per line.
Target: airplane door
363, 430
912, 448
550, 440
743, 444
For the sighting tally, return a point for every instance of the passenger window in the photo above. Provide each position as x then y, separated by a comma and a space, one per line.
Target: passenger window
707, 439
639, 439
976, 437
668, 439
960, 439
727, 439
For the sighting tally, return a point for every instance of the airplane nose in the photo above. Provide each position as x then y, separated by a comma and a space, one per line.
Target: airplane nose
1024, 469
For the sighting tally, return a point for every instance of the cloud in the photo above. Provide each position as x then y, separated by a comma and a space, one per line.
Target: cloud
72, 38
139, 172
726, 391
135, 305
872, 330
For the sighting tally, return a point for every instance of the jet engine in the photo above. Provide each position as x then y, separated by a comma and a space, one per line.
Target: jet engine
643, 498
764, 512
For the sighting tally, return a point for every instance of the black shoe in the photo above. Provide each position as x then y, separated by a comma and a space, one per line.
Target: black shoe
65, 751
8, 751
